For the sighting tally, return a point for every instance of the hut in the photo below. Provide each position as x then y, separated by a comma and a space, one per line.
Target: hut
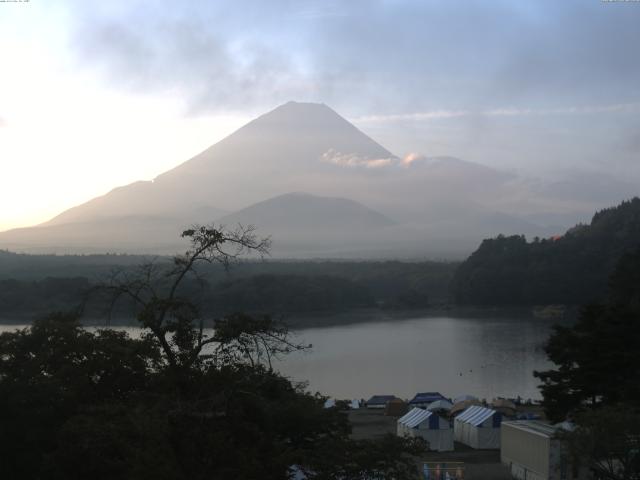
478, 427
379, 401
443, 406
329, 403
504, 406
422, 400
531, 450
459, 407
429, 426
463, 398
396, 408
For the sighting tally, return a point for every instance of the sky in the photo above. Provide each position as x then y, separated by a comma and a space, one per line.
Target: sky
99, 94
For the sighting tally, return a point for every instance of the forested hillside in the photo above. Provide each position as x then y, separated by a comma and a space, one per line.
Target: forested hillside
31, 285
571, 269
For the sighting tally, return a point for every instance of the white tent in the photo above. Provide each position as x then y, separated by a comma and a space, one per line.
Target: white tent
464, 398
425, 424
478, 427
355, 404
440, 405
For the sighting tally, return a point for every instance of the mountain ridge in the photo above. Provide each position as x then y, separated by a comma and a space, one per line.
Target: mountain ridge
435, 206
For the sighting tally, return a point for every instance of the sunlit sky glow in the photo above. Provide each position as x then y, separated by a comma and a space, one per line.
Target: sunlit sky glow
99, 94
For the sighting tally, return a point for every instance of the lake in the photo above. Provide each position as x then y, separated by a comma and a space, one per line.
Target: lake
485, 357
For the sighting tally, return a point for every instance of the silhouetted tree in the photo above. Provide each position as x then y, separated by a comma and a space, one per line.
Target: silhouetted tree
182, 402
596, 381
598, 360
571, 269
606, 442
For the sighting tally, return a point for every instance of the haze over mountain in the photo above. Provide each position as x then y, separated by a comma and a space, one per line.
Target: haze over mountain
303, 211
355, 197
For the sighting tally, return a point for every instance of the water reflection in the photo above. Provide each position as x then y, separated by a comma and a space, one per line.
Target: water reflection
481, 356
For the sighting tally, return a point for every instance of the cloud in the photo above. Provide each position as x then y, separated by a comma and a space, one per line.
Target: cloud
189, 56
442, 59
409, 158
511, 84
353, 160
631, 107
416, 116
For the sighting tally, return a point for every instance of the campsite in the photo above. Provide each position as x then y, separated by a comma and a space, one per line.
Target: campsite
375, 421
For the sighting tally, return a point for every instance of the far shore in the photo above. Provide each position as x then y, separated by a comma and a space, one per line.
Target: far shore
304, 320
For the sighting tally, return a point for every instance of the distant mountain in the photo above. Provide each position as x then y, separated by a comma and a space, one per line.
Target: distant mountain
417, 206
568, 269
270, 155
131, 234
302, 224
304, 211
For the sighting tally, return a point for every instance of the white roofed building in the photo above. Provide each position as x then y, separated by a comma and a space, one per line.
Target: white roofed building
429, 426
440, 405
532, 451
478, 427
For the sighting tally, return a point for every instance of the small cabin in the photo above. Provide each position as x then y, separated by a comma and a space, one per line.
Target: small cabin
532, 451
379, 401
422, 400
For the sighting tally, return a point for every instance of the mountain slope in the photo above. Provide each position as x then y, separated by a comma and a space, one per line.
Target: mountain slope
266, 157
301, 224
297, 210
571, 269
443, 205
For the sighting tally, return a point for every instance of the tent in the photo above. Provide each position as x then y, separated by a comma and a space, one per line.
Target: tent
459, 407
379, 401
504, 406
478, 427
440, 405
429, 426
425, 398
396, 407
463, 398
355, 404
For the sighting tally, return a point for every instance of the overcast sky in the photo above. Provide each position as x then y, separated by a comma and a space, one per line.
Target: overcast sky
99, 94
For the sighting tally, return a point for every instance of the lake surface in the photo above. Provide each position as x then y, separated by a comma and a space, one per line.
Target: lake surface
486, 357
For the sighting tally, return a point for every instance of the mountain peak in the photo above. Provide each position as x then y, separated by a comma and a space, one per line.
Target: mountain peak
298, 116
292, 104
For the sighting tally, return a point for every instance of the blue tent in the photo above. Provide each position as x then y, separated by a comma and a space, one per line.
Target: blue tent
379, 401
428, 425
425, 398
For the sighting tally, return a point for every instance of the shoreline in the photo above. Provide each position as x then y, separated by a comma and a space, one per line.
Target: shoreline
320, 319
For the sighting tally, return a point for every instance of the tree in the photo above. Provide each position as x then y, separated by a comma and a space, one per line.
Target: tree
51, 372
608, 442
180, 403
598, 360
155, 291
571, 269
597, 379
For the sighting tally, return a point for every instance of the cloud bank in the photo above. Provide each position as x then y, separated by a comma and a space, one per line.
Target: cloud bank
451, 56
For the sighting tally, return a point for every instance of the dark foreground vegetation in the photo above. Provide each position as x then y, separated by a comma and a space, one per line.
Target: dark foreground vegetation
174, 404
572, 269
596, 382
